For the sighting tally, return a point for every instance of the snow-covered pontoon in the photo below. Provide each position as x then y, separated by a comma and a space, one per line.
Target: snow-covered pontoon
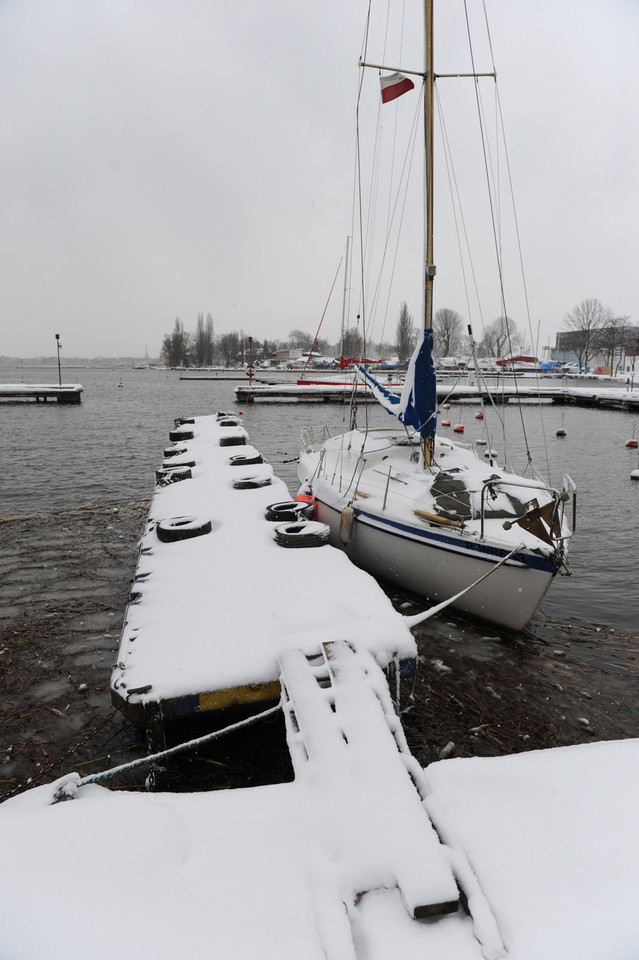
220, 590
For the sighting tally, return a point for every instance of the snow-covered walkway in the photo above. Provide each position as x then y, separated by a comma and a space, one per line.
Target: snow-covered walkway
212, 612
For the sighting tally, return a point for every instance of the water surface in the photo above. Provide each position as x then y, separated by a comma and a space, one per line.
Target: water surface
59, 457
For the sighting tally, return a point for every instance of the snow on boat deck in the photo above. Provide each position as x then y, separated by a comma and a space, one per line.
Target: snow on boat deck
213, 612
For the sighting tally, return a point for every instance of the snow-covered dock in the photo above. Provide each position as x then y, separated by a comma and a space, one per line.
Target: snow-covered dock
215, 599
41, 392
544, 847
504, 391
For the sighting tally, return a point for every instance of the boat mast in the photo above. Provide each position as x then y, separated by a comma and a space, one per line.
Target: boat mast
429, 99
428, 442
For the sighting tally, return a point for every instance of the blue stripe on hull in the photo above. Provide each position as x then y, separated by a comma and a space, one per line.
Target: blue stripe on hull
455, 545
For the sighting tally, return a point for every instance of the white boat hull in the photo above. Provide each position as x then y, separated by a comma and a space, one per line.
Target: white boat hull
508, 597
394, 534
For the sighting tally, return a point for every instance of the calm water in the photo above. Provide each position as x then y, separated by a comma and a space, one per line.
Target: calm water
58, 457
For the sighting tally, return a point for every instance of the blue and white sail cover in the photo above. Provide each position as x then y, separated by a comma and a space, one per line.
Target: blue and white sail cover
416, 406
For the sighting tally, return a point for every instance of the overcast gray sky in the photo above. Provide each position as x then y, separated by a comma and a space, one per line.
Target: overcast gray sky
162, 158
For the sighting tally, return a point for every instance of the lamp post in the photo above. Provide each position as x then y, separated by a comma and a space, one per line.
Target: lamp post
57, 341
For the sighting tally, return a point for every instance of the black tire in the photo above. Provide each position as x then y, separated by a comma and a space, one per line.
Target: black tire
241, 461
172, 475
290, 511
251, 483
182, 528
305, 533
235, 441
171, 465
180, 420
223, 414
174, 451
181, 434
228, 423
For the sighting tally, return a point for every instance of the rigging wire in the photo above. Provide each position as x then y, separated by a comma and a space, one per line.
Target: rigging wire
465, 254
493, 214
371, 297
319, 326
500, 119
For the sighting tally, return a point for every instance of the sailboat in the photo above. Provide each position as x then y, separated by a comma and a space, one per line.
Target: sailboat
419, 510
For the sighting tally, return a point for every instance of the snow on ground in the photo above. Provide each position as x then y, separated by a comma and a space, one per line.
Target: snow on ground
551, 836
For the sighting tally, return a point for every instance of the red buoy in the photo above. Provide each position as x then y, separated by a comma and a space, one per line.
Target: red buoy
445, 423
446, 406
631, 443
459, 428
479, 416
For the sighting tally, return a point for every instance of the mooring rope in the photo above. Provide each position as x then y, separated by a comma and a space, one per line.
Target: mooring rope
63, 793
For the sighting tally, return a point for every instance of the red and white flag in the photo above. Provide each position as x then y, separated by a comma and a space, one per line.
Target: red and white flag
394, 85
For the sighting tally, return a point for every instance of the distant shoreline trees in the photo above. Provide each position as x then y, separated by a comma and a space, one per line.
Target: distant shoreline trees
405, 334
593, 332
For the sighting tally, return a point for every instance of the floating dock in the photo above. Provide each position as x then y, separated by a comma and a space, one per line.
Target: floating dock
41, 392
610, 398
216, 599
528, 856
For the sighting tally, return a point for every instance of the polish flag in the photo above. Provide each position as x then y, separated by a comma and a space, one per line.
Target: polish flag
394, 85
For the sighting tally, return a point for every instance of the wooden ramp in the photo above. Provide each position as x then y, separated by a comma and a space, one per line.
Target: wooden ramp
347, 743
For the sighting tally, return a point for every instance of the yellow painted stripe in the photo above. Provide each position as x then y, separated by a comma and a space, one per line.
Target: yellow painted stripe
249, 693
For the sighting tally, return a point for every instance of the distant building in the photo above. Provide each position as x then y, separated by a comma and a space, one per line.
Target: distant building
624, 358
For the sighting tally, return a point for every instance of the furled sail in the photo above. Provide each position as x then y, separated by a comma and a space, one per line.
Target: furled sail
417, 404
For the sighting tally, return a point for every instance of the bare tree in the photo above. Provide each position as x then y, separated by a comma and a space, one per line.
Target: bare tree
230, 348
447, 332
405, 334
352, 344
500, 337
300, 340
203, 341
631, 348
175, 346
587, 321
612, 341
